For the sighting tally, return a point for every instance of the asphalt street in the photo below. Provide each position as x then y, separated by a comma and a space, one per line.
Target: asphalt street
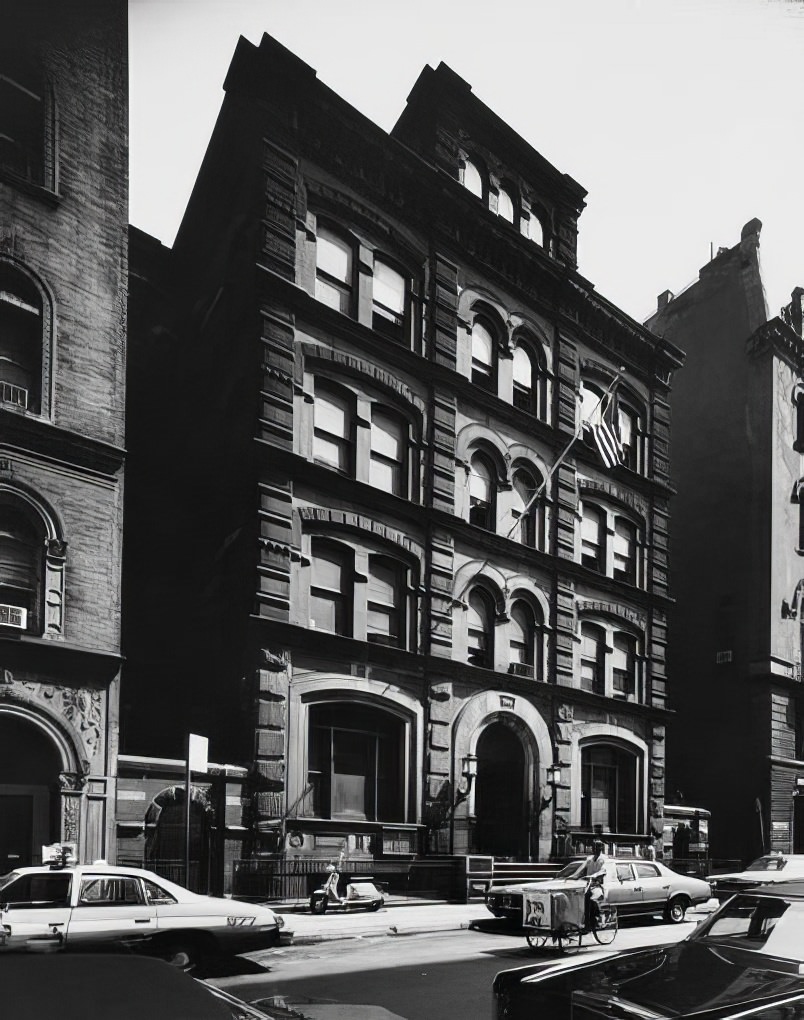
415, 963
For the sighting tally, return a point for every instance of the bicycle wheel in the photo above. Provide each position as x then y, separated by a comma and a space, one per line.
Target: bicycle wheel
536, 940
607, 931
569, 941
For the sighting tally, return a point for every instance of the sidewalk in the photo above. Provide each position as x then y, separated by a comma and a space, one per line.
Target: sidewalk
400, 916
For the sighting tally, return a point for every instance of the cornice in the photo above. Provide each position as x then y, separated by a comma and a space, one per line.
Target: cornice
36, 436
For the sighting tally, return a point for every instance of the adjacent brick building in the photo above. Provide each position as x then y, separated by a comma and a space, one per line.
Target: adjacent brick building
63, 279
375, 353
735, 654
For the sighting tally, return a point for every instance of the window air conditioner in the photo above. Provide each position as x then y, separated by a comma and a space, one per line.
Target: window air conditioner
13, 616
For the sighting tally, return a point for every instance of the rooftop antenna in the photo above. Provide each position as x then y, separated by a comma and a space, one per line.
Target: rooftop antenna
711, 250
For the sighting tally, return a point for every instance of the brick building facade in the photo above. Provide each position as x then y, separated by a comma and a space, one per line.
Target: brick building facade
399, 566
63, 280
738, 435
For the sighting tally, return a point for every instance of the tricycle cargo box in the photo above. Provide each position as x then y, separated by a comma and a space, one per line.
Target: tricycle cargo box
553, 905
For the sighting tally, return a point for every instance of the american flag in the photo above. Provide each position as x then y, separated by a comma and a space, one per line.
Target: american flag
604, 433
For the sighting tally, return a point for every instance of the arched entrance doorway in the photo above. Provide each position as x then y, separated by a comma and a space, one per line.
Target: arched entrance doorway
500, 802
30, 801
165, 846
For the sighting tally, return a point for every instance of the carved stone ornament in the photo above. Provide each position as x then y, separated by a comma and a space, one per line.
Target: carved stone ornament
71, 782
57, 548
81, 707
71, 815
272, 662
566, 712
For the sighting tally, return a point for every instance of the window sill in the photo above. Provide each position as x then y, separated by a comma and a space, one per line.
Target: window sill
38, 191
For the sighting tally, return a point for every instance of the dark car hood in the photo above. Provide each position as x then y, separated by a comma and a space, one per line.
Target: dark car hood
691, 977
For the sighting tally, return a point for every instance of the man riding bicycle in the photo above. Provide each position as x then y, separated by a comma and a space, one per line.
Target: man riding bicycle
594, 871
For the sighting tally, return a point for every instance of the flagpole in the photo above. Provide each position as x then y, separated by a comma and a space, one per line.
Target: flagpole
564, 452
552, 471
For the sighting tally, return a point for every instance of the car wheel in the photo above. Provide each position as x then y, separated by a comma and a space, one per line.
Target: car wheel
676, 909
185, 954
376, 905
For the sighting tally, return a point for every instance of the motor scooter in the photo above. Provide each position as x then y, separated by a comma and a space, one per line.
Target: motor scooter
361, 894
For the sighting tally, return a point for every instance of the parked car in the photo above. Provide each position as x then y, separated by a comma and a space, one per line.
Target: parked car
634, 886
769, 868
745, 960
79, 906
92, 986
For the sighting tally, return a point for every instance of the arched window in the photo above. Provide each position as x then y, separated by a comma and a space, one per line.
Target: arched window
624, 667
356, 763
523, 378
629, 423
333, 434
388, 459
482, 504
592, 403
480, 629
525, 631
530, 515
536, 230
471, 178
334, 270
331, 587
530, 380
625, 551
505, 205
484, 355
22, 545
609, 788
389, 296
593, 658
21, 339
593, 538
386, 616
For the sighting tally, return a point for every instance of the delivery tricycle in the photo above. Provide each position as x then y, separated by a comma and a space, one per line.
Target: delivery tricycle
561, 913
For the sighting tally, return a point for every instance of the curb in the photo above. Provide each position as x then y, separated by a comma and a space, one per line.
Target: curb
391, 931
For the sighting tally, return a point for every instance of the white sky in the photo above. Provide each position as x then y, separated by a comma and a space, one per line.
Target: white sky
683, 119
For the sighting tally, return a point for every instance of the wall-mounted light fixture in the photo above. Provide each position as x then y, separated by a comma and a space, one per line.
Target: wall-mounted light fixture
554, 774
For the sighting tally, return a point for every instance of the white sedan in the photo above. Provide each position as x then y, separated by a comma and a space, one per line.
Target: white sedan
78, 906
765, 870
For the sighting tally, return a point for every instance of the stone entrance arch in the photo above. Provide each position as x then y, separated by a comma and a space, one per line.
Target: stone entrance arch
503, 729
41, 786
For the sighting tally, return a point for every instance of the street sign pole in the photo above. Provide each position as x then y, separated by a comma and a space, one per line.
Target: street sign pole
197, 750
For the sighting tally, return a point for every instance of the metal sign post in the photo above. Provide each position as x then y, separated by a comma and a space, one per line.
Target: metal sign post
197, 751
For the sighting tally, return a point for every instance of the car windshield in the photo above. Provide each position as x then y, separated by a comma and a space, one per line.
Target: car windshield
571, 870
8, 879
771, 862
770, 925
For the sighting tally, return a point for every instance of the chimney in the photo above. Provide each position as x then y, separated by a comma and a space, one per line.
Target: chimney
663, 300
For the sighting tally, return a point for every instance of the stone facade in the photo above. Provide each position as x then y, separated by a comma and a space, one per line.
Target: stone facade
387, 366
63, 264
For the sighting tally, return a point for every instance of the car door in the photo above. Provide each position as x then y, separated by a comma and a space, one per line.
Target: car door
110, 908
35, 905
654, 888
621, 887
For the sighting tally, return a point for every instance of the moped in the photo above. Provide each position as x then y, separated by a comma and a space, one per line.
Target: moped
361, 894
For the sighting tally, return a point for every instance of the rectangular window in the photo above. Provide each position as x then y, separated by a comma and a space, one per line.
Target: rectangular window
334, 271
624, 552
385, 618
592, 539
329, 604
387, 465
389, 299
332, 431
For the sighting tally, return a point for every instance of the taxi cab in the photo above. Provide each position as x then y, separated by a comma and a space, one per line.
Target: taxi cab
72, 906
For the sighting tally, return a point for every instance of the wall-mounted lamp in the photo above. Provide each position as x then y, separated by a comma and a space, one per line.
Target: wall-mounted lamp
554, 774
468, 774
